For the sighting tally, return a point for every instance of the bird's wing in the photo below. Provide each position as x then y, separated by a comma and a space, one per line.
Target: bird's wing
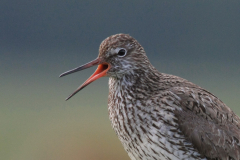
208, 123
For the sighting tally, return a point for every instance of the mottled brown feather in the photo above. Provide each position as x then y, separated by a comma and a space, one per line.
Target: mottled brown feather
210, 125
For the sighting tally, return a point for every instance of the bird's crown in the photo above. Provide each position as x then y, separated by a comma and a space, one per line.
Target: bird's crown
118, 40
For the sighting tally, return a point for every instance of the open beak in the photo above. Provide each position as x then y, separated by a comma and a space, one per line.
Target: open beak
100, 72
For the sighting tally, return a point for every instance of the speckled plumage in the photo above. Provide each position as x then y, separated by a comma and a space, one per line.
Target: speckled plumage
158, 116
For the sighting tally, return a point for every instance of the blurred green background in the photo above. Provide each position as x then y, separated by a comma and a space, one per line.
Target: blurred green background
196, 40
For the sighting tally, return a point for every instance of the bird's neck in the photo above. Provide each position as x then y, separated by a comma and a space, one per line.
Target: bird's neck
139, 84
126, 93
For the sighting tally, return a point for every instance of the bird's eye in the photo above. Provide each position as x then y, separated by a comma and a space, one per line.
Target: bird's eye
122, 52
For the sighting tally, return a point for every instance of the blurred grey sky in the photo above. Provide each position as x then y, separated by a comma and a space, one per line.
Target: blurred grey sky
197, 40
197, 29
183, 30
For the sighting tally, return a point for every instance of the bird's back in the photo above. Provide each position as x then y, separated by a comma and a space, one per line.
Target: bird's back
208, 123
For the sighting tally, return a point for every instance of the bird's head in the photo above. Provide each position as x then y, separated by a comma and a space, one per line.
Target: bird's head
119, 55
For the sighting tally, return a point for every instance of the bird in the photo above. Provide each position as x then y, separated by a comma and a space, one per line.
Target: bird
159, 116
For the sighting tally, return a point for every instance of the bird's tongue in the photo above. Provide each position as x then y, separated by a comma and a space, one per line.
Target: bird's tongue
100, 72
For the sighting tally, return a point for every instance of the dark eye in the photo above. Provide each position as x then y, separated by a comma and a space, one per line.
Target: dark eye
122, 52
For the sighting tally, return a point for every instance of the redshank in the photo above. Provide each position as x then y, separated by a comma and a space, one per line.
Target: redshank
158, 116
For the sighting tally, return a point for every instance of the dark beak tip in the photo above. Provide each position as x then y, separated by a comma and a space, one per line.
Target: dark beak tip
62, 75
67, 98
